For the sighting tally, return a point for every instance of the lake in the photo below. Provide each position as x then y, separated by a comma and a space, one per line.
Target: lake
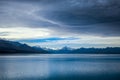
60, 67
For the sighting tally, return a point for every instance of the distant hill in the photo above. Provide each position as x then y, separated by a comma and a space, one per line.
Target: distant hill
108, 50
11, 47
68, 50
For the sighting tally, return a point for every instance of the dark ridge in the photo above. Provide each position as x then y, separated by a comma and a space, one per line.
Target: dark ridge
11, 47
107, 50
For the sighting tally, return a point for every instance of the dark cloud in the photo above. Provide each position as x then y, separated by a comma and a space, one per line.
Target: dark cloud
92, 17
103, 29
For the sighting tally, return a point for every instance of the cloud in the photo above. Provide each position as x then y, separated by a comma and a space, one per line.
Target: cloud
4, 33
24, 33
77, 16
89, 41
101, 29
87, 16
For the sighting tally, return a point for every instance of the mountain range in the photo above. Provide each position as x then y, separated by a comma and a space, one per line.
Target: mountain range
12, 47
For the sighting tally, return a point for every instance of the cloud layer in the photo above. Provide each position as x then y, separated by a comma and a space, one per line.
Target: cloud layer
79, 16
59, 18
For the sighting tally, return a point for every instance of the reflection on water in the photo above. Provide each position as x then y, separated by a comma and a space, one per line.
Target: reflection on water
60, 67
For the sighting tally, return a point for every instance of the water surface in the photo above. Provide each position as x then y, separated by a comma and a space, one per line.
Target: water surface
60, 67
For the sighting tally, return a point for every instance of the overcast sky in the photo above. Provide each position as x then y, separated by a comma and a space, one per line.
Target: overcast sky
58, 23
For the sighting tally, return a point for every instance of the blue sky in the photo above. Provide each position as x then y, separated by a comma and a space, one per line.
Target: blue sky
77, 23
51, 39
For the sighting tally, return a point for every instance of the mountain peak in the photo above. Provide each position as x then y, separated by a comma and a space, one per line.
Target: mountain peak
66, 48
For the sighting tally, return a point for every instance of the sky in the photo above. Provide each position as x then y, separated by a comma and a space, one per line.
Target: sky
58, 23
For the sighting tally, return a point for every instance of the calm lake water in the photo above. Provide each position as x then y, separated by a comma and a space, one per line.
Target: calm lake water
60, 67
